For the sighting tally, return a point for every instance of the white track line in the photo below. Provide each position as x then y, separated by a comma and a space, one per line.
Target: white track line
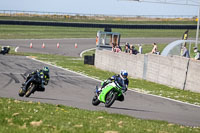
81, 54
64, 69
101, 81
16, 49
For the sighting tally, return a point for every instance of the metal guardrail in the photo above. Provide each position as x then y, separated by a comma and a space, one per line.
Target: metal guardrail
174, 48
88, 25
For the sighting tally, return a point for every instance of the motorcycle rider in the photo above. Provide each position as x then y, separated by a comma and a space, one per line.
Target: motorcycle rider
5, 50
45, 71
121, 79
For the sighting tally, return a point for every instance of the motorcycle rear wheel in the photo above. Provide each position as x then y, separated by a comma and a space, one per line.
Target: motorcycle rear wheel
110, 98
30, 90
95, 100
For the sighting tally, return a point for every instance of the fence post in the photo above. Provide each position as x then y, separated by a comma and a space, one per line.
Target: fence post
145, 67
188, 63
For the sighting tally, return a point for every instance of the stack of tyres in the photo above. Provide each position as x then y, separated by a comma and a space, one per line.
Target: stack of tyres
89, 59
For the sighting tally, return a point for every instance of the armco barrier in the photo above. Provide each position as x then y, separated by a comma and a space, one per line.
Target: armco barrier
88, 25
178, 72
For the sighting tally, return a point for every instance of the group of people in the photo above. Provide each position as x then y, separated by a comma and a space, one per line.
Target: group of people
116, 48
132, 50
185, 52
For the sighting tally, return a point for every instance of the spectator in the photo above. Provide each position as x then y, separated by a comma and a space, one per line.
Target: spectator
127, 48
155, 48
185, 52
113, 47
133, 50
140, 48
128, 45
196, 54
118, 49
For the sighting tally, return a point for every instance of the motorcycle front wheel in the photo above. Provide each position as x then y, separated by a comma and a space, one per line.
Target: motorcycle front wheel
110, 98
30, 90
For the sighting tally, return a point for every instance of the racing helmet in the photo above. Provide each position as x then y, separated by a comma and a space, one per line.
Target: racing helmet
45, 70
124, 74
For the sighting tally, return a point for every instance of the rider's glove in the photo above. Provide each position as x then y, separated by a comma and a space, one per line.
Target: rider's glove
124, 90
45, 83
109, 81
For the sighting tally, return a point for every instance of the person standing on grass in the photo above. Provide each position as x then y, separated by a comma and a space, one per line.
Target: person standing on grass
196, 54
155, 48
133, 50
185, 52
140, 48
127, 48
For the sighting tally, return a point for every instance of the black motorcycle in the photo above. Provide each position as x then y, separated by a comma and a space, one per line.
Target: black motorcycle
34, 83
5, 50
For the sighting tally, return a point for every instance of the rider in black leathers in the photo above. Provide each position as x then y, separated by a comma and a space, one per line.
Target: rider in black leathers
45, 71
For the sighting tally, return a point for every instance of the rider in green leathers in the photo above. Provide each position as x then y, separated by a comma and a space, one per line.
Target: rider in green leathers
121, 79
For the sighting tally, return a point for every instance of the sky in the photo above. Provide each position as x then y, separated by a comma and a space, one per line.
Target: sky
107, 7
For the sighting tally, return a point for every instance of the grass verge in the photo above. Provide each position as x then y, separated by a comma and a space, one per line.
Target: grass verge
43, 32
30, 117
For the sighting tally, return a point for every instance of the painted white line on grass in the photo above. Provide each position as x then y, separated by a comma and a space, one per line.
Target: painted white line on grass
64, 69
81, 54
16, 49
101, 81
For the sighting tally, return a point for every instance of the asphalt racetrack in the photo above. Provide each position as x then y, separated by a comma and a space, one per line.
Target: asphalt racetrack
75, 90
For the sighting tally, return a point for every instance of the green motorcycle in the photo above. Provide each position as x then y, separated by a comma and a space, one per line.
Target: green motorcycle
108, 95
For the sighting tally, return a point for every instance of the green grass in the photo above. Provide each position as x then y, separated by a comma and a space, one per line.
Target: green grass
31, 117
42, 32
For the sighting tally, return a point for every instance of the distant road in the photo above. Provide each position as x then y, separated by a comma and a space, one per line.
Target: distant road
67, 45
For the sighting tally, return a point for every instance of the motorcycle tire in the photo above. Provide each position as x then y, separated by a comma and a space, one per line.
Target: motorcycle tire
110, 98
95, 100
30, 90
21, 92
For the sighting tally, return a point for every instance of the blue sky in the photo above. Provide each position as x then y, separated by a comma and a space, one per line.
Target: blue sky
109, 7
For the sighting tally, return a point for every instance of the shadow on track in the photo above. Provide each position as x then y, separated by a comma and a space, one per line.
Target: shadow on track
130, 109
50, 99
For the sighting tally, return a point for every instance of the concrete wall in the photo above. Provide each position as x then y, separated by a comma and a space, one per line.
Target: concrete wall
169, 71
115, 62
193, 76
174, 71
